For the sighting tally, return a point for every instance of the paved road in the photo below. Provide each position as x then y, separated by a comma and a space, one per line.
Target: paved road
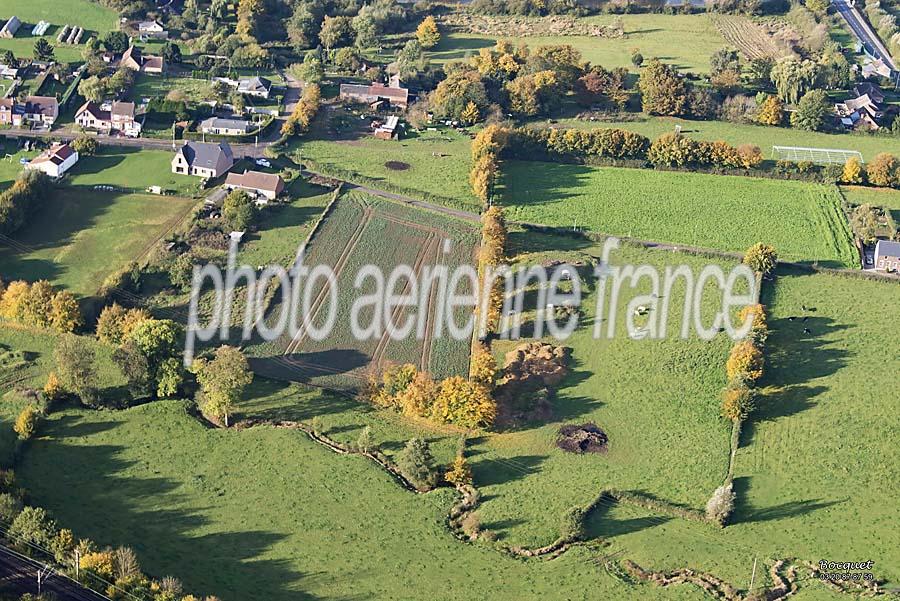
18, 574
240, 150
863, 32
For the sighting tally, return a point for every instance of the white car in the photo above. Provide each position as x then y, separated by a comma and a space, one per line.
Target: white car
263, 163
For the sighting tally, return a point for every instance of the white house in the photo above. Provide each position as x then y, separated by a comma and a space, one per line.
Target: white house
259, 87
118, 116
887, 256
153, 30
203, 160
224, 127
55, 161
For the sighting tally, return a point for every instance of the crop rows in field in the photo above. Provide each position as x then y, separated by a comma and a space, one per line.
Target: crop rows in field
748, 37
361, 231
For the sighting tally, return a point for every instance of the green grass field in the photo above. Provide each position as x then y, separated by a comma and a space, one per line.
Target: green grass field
802, 220
93, 17
686, 41
132, 169
439, 162
763, 136
81, 235
152, 86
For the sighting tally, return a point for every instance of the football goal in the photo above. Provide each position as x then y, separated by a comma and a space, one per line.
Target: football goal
822, 156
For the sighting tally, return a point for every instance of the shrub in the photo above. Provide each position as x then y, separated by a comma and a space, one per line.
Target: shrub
761, 258
417, 399
745, 360
853, 171
85, 146
737, 402
460, 473
483, 367
10, 506
417, 465
364, 443
464, 403
26, 422
101, 563
882, 170
572, 525
721, 504
759, 328
33, 526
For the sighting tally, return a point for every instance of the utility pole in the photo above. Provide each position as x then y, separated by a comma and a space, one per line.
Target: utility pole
42, 575
77, 562
753, 574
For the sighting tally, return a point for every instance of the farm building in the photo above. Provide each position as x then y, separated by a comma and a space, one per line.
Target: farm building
376, 93
55, 161
36, 110
224, 127
389, 130
136, 61
887, 256
203, 160
862, 112
118, 116
7, 72
152, 30
264, 185
11, 27
258, 87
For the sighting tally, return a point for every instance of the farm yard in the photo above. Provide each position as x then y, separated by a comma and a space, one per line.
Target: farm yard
686, 41
350, 238
82, 235
680, 208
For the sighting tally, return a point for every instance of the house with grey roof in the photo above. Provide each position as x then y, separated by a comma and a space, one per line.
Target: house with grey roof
887, 256
259, 87
224, 127
10, 28
203, 160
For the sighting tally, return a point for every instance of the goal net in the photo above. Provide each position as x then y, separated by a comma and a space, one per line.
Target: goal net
813, 155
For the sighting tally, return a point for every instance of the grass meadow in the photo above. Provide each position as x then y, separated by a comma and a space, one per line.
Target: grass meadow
265, 512
802, 220
93, 17
439, 162
686, 41
763, 136
81, 235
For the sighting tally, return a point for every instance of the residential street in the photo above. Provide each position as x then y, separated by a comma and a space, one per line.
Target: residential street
863, 32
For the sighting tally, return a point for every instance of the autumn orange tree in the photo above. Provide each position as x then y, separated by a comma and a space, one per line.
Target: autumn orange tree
745, 361
304, 112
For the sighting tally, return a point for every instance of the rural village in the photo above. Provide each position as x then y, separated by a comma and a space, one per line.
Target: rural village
174, 428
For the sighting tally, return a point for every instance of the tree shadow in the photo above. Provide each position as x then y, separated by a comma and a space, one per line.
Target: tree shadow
745, 513
306, 367
279, 400
500, 470
109, 499
601, 523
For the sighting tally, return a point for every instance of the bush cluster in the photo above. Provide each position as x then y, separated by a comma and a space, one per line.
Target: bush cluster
604, 142
486, 149
21, 199
454, 400
38, 304
745, 366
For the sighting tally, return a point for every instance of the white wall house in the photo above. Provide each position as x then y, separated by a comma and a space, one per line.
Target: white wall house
55, 161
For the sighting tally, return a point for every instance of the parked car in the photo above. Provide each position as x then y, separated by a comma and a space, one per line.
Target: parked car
264, 163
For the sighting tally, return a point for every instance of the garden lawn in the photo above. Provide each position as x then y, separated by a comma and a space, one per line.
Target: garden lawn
10, 168
802, 220
80, 236
153, 86
736, 134
133, 169
439, 164
685, 41
92, 16
879, 197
